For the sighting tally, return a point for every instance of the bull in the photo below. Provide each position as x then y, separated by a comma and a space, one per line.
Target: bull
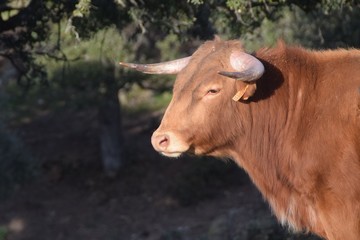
290, 117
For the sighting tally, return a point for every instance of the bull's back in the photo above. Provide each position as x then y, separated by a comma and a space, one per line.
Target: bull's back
340, 67
338, 82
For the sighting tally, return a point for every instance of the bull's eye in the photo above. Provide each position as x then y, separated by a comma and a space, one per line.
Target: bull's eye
213, 91
210, 90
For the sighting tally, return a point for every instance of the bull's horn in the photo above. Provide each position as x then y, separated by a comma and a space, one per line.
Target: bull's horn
170, 67
247, 67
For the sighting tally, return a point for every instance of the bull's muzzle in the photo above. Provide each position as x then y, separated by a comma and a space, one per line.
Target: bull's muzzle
160, 142
168, 144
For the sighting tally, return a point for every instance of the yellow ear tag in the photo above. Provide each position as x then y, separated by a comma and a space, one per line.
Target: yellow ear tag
240, 94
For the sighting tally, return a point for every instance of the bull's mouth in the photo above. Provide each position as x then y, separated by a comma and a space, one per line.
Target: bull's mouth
171, 154
175, 154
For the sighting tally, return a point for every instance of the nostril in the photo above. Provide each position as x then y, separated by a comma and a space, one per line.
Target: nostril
163, 141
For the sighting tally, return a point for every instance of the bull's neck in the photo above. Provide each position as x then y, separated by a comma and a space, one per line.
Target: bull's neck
267, 119
260, 151
271, 121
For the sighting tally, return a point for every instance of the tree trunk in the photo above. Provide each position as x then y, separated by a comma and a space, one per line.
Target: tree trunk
111, 135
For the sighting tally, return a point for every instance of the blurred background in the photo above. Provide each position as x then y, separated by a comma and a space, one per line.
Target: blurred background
76, 161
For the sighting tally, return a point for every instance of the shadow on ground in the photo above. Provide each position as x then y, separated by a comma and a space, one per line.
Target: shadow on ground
152, 198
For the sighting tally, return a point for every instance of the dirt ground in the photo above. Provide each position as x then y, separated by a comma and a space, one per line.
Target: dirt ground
152, 198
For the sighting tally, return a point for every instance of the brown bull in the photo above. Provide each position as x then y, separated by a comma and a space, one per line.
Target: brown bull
294, 126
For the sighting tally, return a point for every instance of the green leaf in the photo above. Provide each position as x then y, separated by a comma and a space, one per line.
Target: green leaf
196, 2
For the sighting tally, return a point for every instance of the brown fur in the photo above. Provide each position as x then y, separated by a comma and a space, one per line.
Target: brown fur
297, 137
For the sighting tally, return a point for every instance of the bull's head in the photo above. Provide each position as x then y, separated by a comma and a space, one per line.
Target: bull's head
201, 103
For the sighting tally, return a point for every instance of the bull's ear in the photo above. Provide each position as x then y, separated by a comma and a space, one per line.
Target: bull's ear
250, 90
244, 91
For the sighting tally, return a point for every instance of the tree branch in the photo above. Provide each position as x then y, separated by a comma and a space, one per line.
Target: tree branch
23, 16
